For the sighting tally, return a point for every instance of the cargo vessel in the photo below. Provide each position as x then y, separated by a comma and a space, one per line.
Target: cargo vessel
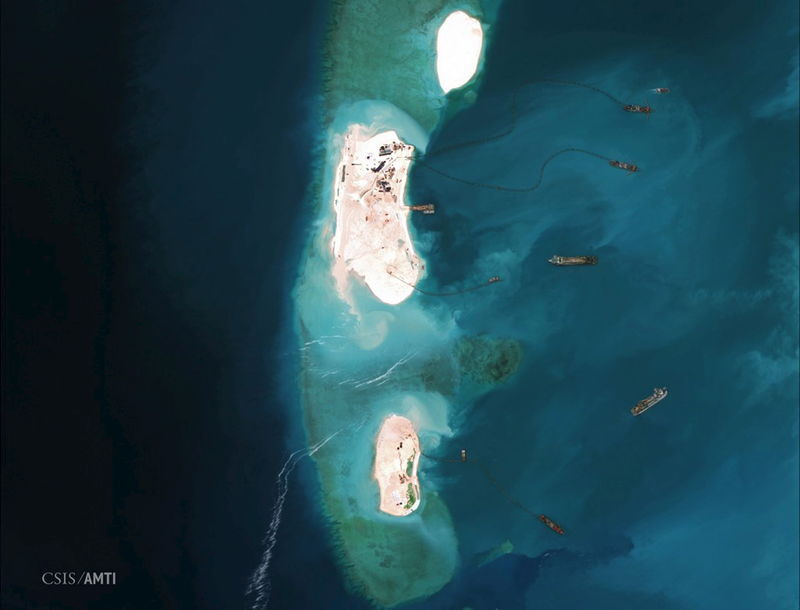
572, 260
657, 396
551, 524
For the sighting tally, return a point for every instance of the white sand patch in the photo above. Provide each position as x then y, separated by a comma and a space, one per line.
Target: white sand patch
458, 48
372, 238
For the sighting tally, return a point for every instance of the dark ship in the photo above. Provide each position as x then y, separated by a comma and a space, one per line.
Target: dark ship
661, 90
657, 396
623, 165
425, 208
551, 524
572, 260
637, 108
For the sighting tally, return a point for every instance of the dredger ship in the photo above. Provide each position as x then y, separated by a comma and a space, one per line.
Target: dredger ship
551, 524
572, 260
657, 396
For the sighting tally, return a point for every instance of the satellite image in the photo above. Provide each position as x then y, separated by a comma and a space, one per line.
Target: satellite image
432, 305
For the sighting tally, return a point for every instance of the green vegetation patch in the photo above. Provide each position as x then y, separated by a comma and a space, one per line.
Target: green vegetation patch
411, 497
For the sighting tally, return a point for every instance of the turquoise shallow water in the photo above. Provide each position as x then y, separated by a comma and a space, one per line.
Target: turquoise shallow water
360, 361
694, 504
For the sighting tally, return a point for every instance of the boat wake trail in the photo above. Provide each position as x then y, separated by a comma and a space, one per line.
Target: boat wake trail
259, 587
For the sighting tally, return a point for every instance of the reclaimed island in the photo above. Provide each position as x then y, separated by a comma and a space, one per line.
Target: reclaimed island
396, 459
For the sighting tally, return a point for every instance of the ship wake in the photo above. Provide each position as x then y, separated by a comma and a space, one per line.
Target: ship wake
259, 586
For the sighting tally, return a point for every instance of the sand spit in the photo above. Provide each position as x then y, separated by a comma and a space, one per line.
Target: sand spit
458, 48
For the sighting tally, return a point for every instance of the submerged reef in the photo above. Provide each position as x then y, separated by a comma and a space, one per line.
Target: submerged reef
488, 360
504, 548
362, 360
391, 562
385, 50
439, 375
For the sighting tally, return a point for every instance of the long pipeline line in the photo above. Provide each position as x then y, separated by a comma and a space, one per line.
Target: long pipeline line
510, 189
444, 294
489, 477
584, 85
515, 114
508, 131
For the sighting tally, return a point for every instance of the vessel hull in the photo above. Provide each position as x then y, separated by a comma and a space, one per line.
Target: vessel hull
570, 261
656, 397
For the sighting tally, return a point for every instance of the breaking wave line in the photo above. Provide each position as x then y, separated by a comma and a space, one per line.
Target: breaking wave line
384, 377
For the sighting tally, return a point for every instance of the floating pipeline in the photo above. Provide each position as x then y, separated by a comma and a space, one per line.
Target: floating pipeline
538, 183
515, 113
487, 474
492, 280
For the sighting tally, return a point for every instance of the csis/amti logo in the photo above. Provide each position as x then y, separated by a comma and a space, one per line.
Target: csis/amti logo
79, 578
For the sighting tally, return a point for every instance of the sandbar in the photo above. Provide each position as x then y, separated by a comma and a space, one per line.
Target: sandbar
458, 48
371, 237
397, 455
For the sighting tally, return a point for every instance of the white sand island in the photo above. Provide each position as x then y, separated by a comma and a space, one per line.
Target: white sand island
396, 458
371, 237
458, 48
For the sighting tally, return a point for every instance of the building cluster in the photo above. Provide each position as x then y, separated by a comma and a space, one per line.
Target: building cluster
388, 149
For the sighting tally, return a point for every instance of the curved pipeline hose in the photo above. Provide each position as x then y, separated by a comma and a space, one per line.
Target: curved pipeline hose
492, 479
515, 114
444, 294
498, 187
